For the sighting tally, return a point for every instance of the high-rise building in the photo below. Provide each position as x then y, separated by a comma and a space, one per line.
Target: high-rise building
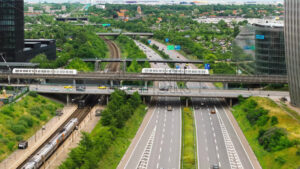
292, 48
269, 49
11, 29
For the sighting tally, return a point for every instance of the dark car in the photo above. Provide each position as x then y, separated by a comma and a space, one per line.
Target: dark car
23, 144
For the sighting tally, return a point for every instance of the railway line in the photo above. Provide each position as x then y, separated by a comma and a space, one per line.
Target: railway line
114, 54
80, 114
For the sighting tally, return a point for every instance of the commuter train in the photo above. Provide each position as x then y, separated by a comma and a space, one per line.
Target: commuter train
44, 153
45, 71
175, 71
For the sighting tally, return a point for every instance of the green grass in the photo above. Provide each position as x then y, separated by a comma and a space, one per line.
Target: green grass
188, 155
113, 156
13, 128
265, 158
219, 85
290, 111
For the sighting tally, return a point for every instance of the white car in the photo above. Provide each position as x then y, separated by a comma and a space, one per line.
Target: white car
123, 88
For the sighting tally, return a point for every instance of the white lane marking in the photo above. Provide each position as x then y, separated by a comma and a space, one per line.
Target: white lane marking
161, 142
162, 136
159, 149
141, 135
157, 165
238, 137
215, 135
143, 163
158, 157
234, 159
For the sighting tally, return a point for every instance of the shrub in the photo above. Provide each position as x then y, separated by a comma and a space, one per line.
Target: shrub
10, 145
262, 120
18, 129
274, 120
33, 94
19, 137
8, 110
36, 111
274, 139
280, 160
29, 121
298, 152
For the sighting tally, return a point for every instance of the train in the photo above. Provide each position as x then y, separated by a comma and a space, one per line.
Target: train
175, 71
45, 152
45, 71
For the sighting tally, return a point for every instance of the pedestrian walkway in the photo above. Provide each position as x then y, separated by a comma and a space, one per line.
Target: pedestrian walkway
18, 156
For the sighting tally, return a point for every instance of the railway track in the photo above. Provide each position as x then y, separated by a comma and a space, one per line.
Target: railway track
114, 54
80, 114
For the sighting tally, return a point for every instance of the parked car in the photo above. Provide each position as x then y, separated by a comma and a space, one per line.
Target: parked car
23, 144
212, 111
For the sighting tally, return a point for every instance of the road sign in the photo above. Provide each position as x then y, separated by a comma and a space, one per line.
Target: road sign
149, 41
260, 37
177, 47
170, 47
207, 66
167, 40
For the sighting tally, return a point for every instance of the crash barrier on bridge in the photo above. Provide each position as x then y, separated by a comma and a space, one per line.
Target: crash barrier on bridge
9, 96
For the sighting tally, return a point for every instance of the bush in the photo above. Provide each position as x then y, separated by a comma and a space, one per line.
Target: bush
33, 94
10, 145
255, 115
19, 137
18, 129
36, 111
280, 160
298, 152
274, 139
274, 120
8, 110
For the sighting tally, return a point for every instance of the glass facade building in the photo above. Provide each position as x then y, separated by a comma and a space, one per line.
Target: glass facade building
270, 49
12, 29
292, 42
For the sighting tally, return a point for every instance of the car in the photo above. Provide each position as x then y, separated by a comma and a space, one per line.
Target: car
80, 88
98, 112
202, 104
123, 88
102, 87
177, 56
170, 108
215, 166
196, 107
54, 89
23, 144
212, 111
68, 87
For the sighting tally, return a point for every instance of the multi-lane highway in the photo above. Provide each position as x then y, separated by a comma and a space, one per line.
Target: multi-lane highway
160, 144
217, 141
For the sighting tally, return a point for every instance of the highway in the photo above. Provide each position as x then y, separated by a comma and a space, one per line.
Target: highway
160, 144
217, 141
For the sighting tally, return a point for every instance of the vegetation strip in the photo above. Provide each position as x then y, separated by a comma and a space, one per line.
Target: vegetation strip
109, 140
188, 154
19, 121
271, 132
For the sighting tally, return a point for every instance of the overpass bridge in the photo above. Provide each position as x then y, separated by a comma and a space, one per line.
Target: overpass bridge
143, 60
125, 33
205, 93
121, 76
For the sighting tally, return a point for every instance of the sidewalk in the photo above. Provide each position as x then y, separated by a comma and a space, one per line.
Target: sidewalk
135, 140
18, 156
73, 140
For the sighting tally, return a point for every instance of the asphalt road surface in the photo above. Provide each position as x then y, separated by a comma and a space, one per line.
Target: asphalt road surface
217, 141
160, 144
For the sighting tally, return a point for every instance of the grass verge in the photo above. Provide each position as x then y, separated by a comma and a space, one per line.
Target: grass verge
20, 120
287, 158
188, 155
113, 156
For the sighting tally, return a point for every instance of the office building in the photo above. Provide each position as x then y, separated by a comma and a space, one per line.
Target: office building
11, 29
292, 48
270, 49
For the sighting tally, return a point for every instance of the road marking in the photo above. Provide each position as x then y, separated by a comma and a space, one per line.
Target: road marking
143, 163
214, 134
141, 135
159, 157
161, 142
159, 149
157, 165
162, 136
234, 159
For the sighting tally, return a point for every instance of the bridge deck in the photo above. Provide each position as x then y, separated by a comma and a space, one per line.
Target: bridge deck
207, 93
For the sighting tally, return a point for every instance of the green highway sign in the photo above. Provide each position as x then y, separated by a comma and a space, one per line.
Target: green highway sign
170, 47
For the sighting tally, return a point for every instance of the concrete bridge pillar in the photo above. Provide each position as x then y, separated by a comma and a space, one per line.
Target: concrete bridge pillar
146, 84
230, 102
107, 100
186, 102
8, 79
74, 82
96, 66
111, 83
68, 99
225, 86
124, 66
18, 81
144, 100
